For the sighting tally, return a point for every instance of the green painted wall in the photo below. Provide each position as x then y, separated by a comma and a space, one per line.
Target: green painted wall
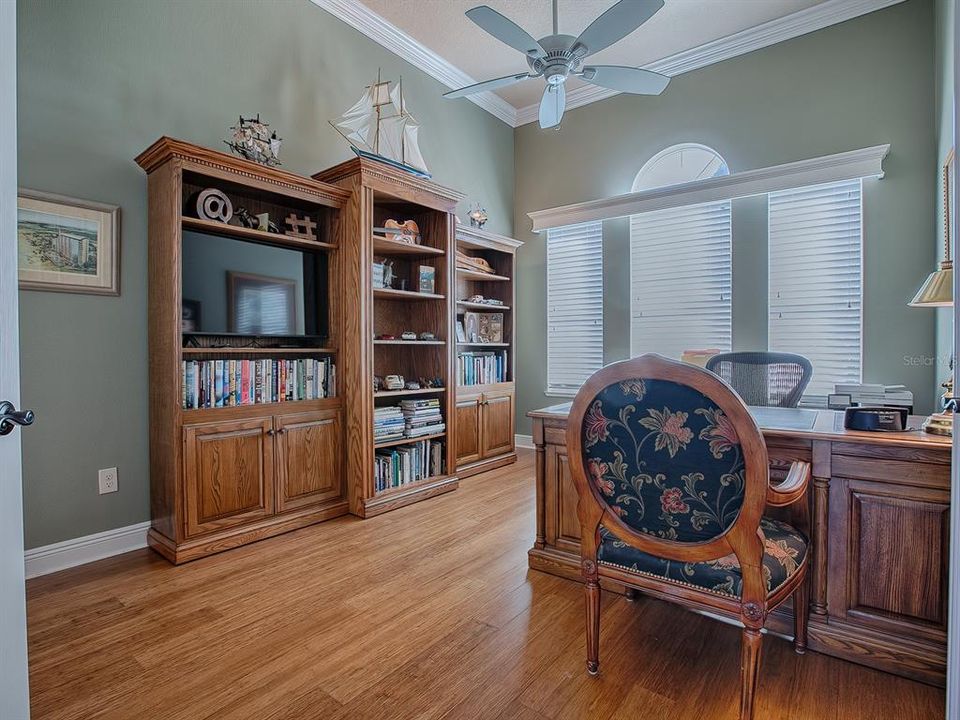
944, 129
98, 81
864, 82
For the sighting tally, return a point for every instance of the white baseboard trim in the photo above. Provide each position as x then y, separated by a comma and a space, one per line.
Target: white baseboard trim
524, 441
79, 551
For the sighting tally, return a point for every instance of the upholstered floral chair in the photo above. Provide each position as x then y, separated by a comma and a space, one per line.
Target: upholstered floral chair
672, 476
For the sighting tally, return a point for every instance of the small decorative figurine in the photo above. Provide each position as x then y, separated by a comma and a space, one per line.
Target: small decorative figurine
377, 383
478, 216
305, 228
245, 219
408, 335
407, 232
212, 204
254, 141
393, 382
411, 385
427, 336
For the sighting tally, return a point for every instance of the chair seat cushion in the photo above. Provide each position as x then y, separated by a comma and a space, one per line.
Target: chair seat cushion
785, 550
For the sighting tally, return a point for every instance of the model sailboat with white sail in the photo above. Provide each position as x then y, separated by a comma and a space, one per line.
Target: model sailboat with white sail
379, 127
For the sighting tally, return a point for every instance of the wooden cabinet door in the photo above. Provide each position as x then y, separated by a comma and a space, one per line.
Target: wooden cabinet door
889, 547
228, 474
308, 459
496, 437
468, 429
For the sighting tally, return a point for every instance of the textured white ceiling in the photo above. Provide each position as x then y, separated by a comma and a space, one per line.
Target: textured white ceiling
442, 26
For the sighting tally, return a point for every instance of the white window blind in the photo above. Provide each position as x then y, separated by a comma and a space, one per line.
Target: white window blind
574, 306
815, 281
680, 280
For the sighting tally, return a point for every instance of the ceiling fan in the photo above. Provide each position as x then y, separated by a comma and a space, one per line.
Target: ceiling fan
556, 57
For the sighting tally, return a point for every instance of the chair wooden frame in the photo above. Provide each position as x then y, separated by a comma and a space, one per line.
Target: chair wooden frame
743, 538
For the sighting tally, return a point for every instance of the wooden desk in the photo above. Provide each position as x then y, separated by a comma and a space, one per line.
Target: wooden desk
878, 517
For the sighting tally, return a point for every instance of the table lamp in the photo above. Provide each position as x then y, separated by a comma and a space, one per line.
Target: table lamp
937, 291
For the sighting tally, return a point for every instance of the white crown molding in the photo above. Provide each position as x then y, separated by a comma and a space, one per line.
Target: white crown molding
80, 551
375, 27
362, 18
769, 33
864, 163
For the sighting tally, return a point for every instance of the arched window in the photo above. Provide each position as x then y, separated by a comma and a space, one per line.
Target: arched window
680, 260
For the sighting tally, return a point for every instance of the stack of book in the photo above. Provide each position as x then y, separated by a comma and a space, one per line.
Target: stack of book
388, 424
395, 467
421, 417
226, 383
480, 368
871, 394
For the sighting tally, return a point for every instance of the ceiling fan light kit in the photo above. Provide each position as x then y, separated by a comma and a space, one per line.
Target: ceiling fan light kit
556, 57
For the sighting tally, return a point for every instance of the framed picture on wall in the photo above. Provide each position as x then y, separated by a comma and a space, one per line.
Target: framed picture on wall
67, 245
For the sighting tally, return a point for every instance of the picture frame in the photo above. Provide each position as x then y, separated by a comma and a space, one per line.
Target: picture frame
427, 279
461, 334
67, 245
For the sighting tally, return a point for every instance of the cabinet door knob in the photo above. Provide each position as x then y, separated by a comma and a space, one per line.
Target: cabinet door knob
271, 432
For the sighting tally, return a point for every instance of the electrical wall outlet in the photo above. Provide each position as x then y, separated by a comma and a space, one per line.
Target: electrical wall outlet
107, 479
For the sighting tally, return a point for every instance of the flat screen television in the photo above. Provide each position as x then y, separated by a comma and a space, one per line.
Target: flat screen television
237, 287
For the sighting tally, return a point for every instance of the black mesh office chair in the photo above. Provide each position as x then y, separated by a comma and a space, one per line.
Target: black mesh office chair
769, 379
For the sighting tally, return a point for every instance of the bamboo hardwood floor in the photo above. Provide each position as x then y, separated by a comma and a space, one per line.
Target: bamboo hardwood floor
427, 612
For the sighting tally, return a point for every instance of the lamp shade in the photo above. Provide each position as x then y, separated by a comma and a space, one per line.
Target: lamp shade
937, 289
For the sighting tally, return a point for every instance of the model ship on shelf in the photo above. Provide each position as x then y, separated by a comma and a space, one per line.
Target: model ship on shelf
379, 127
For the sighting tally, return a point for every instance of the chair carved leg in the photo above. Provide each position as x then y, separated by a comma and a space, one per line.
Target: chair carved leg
749, 670
801, 611
593, 626
631, 594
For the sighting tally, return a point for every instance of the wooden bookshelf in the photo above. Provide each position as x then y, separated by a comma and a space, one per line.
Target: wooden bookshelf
218, 228
377, 193
393, 294
485, 412
384, 246
224, 476
190, 352
483, 306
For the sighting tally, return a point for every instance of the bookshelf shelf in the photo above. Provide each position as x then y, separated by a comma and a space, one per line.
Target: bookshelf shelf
406, 440
383, 246
412, 486
201, 453
218, 228
391, 294
482, 277
197, 351
409, 342
485, 412
408, 393
379, 194
482, 306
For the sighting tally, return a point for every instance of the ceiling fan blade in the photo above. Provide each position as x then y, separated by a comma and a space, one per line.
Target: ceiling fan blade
615, 24
552, 105
505, 30
487, 85
626, 79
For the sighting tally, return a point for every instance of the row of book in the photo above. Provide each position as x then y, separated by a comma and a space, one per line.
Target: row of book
403, 464
387, 423
227, 383
481, 367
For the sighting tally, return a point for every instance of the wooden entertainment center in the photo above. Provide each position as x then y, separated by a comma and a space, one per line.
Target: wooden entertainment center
255, 434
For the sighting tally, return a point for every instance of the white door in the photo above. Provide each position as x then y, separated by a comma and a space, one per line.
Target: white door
14, 695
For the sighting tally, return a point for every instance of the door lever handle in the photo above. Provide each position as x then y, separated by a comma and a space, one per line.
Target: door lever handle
10, 416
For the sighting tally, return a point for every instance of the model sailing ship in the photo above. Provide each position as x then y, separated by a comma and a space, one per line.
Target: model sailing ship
253, 140
379, 127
